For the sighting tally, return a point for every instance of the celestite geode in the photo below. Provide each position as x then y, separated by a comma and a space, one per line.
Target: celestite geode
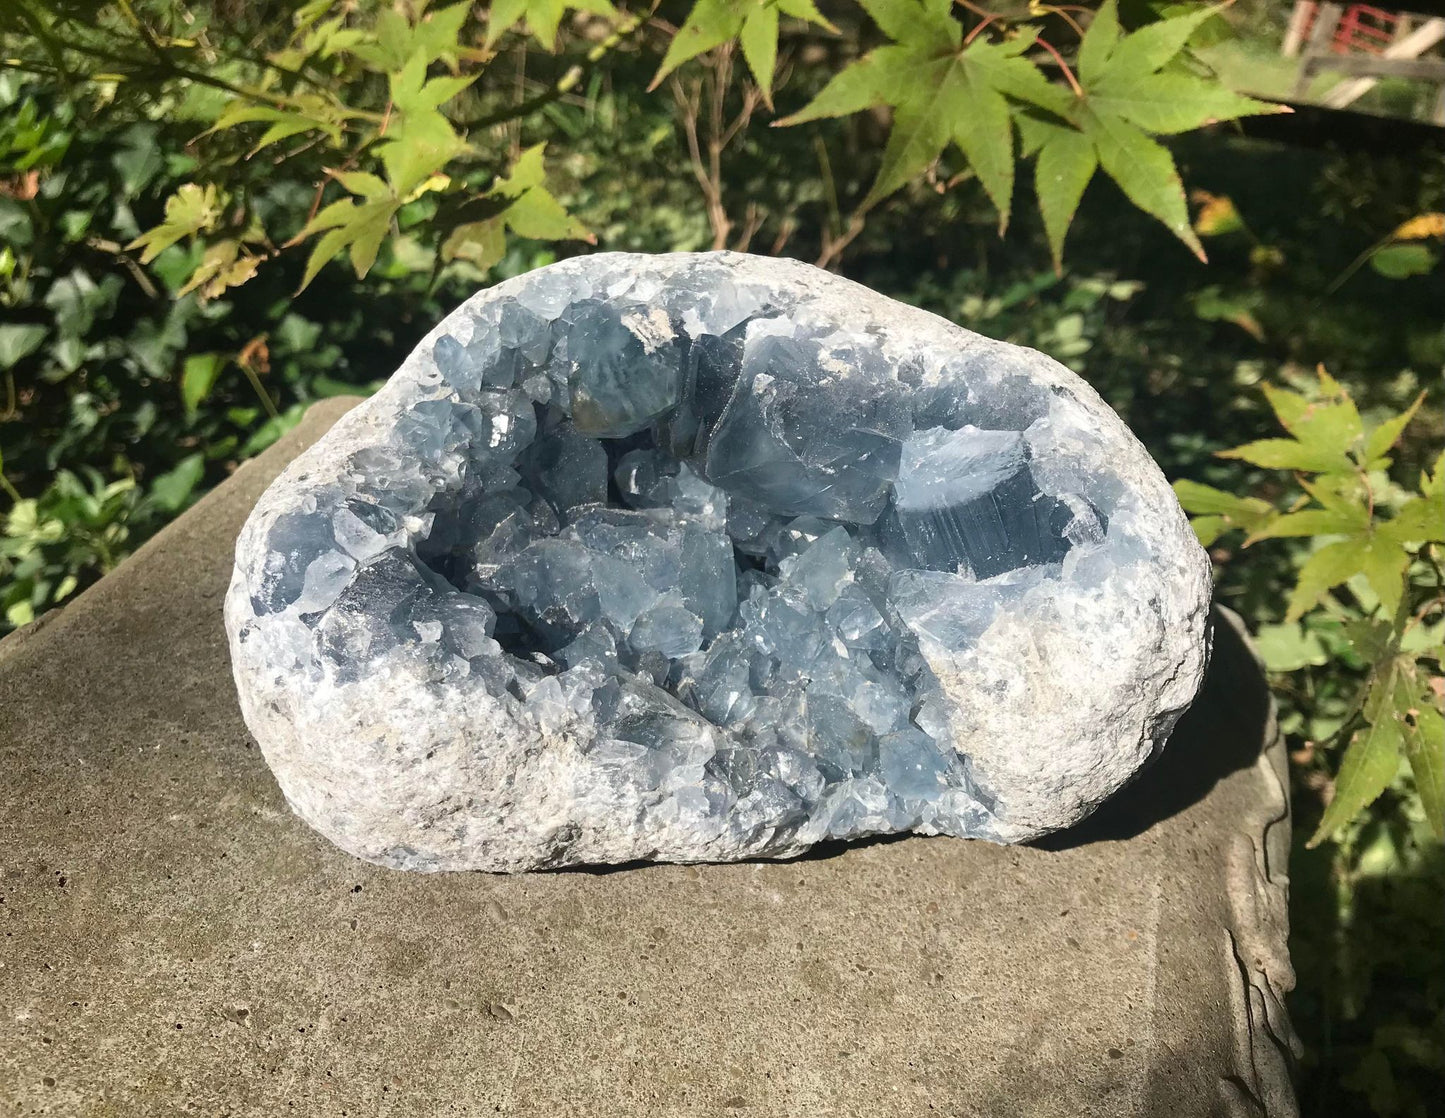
710, 556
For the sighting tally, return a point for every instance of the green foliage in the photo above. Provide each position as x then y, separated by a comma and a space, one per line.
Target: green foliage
1377, 581
753, 23
947, 86
127, 388
390, 111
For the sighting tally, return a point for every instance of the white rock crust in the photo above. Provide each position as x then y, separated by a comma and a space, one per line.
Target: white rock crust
1072, 687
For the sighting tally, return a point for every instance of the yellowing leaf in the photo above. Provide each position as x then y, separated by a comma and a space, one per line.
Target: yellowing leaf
190, 210
1421, 228
222, 267
1217, 214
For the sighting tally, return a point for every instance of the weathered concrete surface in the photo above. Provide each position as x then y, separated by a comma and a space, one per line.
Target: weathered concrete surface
175, 941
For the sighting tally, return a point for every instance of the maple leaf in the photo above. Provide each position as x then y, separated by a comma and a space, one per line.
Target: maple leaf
192, 209
1127, 96
528, 209
436, 35
754, 23
358, 224
941, 90
542, 17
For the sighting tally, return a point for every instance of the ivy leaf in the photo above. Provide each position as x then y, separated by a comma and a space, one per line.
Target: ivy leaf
1402, 261
1425, 748
171, 489
754, 23
198, 377
192, 209
543, 17
18, 340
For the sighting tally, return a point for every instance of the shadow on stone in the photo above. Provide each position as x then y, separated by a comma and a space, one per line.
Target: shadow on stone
1222, 732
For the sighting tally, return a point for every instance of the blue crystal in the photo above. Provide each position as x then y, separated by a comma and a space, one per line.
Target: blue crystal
718, 546
619, 381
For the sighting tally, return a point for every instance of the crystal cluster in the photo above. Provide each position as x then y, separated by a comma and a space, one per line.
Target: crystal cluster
709, 556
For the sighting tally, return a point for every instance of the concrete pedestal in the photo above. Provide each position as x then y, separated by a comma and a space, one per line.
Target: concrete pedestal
173, 940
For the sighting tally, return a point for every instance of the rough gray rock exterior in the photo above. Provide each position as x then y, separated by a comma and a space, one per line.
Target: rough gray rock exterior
440, 684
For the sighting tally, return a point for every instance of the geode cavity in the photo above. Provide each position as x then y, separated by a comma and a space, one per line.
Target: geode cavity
701, 557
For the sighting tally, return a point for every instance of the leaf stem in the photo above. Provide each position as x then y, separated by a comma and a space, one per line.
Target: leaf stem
1064, 66
1062, 11
977, 28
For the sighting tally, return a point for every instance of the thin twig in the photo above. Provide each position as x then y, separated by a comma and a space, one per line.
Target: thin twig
1064, 66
